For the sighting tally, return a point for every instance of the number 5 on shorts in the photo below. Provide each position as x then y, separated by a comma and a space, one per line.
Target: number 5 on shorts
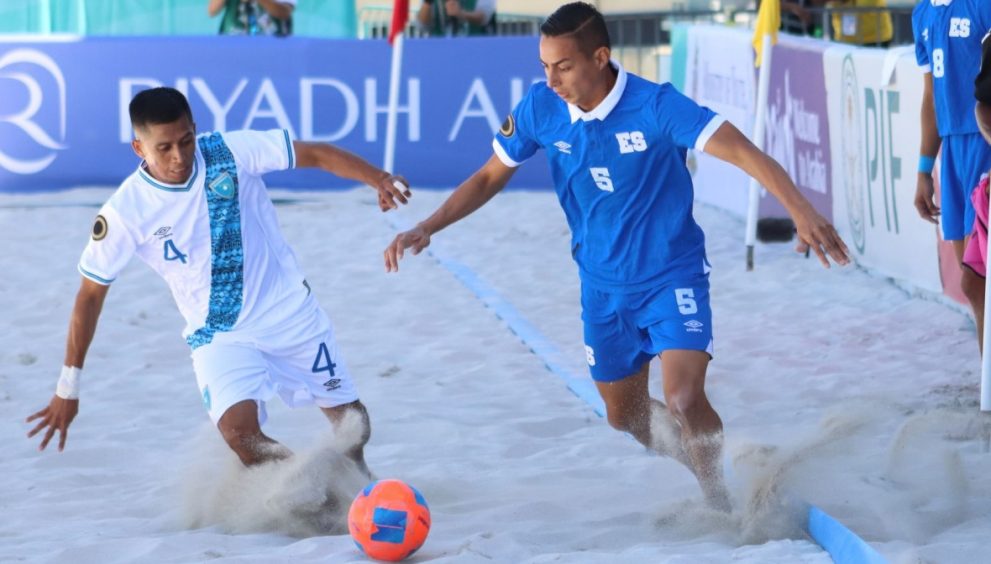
686, 301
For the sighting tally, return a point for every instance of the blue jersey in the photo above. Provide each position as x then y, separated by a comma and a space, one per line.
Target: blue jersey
620, 175
948, 44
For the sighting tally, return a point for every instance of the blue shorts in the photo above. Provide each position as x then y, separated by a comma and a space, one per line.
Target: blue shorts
624, 331
964, 159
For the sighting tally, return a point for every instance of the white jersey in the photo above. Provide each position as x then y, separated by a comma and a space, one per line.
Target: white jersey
214, 239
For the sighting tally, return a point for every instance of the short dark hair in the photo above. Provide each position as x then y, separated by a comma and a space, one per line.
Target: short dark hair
581, 20
158, 105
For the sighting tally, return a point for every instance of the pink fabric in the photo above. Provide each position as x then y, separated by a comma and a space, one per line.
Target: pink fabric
977, 247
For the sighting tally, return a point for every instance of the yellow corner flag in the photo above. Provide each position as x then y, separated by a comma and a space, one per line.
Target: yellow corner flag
768, 22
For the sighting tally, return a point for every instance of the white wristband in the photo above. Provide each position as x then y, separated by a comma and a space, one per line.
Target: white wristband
68, 383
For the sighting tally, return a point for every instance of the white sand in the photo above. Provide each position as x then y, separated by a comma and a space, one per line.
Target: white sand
834, 387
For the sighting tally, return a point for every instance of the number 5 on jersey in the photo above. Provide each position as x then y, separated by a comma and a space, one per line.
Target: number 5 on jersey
601, 177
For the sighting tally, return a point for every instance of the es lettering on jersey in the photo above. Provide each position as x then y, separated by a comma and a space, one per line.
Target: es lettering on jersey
619, 172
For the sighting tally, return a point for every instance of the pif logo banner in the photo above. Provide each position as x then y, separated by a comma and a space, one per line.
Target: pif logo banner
874, 100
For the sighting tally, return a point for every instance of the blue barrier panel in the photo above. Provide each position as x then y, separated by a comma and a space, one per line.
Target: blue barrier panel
63, 104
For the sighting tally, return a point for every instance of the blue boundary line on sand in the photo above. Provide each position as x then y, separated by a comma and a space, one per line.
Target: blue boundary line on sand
538, 344
842, 544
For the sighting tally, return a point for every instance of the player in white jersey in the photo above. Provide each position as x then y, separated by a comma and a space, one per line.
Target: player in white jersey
616, 145
197, 212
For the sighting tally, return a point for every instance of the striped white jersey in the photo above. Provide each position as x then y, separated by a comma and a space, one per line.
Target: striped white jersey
215, 239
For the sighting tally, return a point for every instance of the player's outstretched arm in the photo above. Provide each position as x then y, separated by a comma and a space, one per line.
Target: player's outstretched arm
814, 231
925, 200
64, 405
469, 196
345, 164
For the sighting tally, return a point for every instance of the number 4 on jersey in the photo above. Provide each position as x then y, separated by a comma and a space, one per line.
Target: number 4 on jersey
173, 253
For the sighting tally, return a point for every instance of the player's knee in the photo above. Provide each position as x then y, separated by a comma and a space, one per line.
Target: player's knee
687, 405
351, 423
621, 420
239, 436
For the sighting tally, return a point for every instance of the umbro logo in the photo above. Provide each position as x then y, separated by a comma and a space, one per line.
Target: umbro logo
694, 326
563, 147
163, 232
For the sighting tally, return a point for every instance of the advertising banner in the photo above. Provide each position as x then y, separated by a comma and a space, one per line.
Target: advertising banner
720, 74
64, 119
797, 123
874, 101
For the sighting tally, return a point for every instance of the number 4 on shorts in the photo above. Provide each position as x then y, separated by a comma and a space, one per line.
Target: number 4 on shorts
323, 364
323, 355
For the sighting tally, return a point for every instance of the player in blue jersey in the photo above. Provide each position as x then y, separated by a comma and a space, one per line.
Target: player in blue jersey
948, 49
975, 255
617, 146
197, 212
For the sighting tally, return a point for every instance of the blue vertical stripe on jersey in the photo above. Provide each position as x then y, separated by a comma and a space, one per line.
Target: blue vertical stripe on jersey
292, 164
226, 249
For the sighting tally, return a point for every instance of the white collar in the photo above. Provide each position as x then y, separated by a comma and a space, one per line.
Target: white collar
183, 187
602, 111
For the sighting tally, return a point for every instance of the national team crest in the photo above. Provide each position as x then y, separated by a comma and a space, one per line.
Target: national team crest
223, 186
99, 228
508, 127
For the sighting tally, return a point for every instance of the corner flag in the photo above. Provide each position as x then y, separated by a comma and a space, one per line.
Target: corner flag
768, 22
400, 13
765, 36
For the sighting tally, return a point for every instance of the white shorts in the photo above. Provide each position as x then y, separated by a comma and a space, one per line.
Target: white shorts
297, 359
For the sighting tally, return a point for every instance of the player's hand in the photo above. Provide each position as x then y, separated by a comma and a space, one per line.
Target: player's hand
815, 232
416, 239
56, 417
924, 198
390, 189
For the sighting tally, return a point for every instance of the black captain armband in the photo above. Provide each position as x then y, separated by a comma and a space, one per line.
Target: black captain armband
982, 84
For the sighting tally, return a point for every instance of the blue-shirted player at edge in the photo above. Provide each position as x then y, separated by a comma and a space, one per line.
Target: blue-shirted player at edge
617, 146
948, 50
